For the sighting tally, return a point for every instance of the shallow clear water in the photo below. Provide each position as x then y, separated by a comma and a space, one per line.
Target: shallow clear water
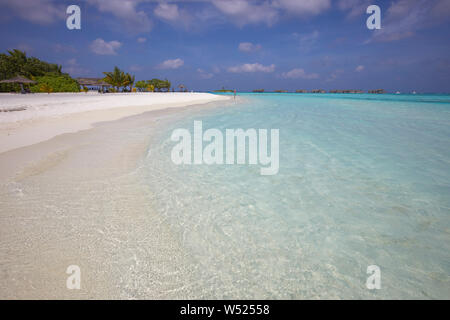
363, 180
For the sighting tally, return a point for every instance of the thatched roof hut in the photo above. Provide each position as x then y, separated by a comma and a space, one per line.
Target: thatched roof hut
18, 79
93, 82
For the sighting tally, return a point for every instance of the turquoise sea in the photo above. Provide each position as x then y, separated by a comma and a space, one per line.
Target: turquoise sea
363, 180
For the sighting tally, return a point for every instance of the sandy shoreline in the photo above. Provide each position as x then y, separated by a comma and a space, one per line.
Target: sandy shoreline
79, 199
47, 116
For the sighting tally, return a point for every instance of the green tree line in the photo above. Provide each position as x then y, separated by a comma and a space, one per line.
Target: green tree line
154, 84
119, 79
48, 76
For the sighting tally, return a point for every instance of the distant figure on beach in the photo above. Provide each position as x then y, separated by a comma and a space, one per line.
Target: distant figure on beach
234, 94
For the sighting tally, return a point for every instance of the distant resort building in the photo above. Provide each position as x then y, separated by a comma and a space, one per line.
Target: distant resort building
378, 91
346, 91
94, 83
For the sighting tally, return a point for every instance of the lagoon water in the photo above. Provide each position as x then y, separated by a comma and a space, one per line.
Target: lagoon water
363, 180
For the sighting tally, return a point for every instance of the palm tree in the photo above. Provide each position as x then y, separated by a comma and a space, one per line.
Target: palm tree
129, 81
116, 78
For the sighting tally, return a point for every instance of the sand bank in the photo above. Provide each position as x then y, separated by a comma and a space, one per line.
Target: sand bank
33, 118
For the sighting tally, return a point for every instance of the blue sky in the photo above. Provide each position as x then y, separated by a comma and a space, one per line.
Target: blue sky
243, 44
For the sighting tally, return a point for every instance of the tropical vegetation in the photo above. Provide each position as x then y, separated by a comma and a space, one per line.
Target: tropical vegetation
154, 84
57, 83
16, 62
119, 79
223, 90
45, 88
50, 78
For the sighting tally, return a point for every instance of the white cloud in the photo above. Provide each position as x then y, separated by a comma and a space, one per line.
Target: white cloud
49, 11
171, 64
35, 11
176, 16
101, 47
299, 73
127, 12
141, 40
355, 8
405, 17
252, 67
359, 68
303, 7
167, 11
249, 47
244, 12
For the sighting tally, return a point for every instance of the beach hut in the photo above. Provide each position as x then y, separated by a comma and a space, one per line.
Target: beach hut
93, 82
182, 88
20, 80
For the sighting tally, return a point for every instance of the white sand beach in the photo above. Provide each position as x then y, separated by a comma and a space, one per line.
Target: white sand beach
33, 118
70, 196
